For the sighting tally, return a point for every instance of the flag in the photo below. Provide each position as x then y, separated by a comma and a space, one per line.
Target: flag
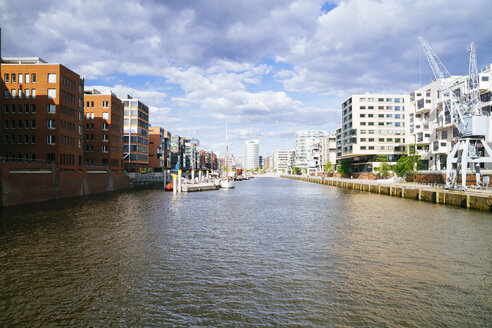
176, 168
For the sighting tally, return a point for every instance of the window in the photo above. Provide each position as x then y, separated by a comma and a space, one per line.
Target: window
26, 124
370, 107
26, 139
21, 80
92, 104
444, 134
363, 131
391, 115
13, 93
362, 139
87, 115
20, 109
362, 123
485, 78
6, 124
380, 99
6, 78
105, 116
363, 148
33, 92
20, 93
362, 115
105, 104
52, 93
33, 75
105, 137
27, 78
14, 78
362, 107
370, 123
20, 124
380, 123
51, 109
371, 131
19, 140
33, 124
381, 115
13, 109
92, 116
371, 139
33, 139
7, 93
371, 147
397, 100
51, 124
33, 108
51, 77
105, 126
389, 99
51, 139
6, 109
397, 124
105, 148
26, 93
398, 116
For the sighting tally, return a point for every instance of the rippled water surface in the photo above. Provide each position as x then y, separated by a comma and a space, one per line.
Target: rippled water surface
272, 252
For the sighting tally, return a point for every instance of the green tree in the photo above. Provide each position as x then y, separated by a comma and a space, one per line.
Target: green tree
328, 167
256, 169
344, 166
295, 170
385, 168
407, 164
304, 170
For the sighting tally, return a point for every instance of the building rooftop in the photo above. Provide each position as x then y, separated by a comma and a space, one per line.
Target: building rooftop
23, 60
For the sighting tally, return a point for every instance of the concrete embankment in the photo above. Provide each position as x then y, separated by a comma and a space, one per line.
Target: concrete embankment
468, 199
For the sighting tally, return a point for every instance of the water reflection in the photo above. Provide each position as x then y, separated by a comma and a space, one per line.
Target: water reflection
270, 252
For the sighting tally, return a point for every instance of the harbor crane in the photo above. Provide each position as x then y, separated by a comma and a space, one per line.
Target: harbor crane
466, 115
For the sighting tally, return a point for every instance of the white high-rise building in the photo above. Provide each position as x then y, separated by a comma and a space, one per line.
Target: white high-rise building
283, 160
251, 155
305, 140
374, 125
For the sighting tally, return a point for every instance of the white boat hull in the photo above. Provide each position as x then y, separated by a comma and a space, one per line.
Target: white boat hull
227, 184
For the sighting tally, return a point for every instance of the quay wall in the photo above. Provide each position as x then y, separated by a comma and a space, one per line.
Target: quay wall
467, 199
22, 183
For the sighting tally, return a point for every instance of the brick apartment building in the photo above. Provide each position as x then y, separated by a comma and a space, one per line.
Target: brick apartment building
102, 126
41, 112
159, 148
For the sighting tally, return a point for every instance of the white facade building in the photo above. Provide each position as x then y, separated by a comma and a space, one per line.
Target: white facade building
251, 155
374, 125
329, 150
283, 160
304, 144
432, 130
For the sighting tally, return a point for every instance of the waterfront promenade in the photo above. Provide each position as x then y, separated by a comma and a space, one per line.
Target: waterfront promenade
474, 198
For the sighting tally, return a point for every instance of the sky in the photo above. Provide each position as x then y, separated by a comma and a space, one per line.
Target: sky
268, 68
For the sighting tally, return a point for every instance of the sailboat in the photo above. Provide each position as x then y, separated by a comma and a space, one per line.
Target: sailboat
227, 183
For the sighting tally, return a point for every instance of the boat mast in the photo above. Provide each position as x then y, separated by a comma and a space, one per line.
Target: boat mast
227, 155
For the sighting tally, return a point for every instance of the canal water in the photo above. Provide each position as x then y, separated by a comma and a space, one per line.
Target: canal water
271, 252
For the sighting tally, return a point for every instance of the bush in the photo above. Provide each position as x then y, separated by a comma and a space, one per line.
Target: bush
385, 168
328, 167
407, 164
344, 166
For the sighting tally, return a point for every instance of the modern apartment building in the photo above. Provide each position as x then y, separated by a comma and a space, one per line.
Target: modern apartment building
102, 129
329, 149
305, 141
191, 160
283, 160
374, 125
433, 133
177, 151
41, 113
159, 148
251, 155
136, 135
